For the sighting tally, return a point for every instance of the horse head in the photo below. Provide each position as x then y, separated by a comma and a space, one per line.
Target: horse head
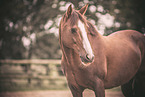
75, 32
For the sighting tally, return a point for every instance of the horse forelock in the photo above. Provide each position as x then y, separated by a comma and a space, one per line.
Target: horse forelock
73, 19
89, 25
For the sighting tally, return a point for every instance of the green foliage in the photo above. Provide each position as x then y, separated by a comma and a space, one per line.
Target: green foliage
22, 19
46, 46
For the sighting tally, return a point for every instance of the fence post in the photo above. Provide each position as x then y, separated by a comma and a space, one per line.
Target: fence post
28, 71
47, 69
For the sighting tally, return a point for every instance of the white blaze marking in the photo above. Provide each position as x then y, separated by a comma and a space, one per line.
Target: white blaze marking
86, 43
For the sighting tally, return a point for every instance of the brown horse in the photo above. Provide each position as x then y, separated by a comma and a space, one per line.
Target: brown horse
96, 62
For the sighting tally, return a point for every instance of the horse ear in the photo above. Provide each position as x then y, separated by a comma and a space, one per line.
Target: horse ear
69, 11
83, 9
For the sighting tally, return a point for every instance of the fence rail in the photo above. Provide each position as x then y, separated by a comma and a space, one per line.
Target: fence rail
29, 75
31, 61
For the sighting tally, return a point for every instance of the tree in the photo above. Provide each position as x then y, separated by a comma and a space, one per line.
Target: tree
46, 46
24, 23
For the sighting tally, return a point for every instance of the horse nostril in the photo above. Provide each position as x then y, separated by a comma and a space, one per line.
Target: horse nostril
90, 57
87, 57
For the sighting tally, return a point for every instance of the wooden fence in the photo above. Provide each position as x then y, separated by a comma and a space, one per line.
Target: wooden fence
23, 74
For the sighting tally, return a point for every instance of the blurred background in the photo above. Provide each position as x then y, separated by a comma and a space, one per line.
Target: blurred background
29, 45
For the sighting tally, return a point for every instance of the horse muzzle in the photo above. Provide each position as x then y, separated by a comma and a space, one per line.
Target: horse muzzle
87, 58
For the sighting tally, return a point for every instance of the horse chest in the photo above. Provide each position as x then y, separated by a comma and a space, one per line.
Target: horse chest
80, 77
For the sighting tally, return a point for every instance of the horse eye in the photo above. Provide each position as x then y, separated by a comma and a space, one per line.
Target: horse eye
73, 30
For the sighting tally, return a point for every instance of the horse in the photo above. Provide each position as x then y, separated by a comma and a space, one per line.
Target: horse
96, 62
